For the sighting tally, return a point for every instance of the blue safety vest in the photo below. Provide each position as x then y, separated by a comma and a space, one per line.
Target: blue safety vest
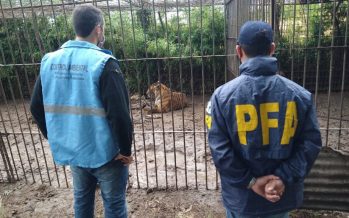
77, 128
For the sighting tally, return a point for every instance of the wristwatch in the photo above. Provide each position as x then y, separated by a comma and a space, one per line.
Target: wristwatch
252, 182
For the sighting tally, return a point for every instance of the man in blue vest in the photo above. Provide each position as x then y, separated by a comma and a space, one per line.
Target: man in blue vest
262, 131
81, 105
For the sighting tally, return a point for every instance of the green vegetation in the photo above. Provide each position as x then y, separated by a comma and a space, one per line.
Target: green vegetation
132, 36
139, 37
304, 49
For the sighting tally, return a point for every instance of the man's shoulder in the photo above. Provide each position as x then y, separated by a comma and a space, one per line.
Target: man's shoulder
112, 65
295, 88
53, 54
48, 55
230, 87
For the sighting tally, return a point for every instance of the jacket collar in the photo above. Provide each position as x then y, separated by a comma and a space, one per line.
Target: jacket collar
260, 65
80, 44
84, 44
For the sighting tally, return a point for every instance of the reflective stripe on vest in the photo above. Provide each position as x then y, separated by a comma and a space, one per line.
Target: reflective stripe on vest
75, 110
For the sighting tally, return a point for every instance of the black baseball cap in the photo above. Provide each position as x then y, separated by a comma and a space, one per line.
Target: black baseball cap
255, 33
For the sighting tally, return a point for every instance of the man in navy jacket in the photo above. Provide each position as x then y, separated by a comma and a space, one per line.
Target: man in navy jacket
262, 131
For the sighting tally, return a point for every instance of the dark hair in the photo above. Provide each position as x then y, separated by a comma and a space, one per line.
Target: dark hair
253, 51
85, 19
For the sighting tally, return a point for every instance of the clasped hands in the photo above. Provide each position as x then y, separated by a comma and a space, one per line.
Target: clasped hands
126, 160
269, 187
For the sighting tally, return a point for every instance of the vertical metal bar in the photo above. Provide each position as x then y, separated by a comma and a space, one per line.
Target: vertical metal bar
203, 91
65, 17
255, 10
225, 41
56, 171
251, 10
192, 94
151, 107
139, 90
159, 79
43, 149
163, 126
293, 37
111, 28
331, 72
171, 96
55, 23
343, 76
59, 42
13, 60
43, 15
36, 31
14, 136
305, 48
214, 64
282, 18
3, 120
65, 176
37, 128
45, 160
318, 56
123, 50
1, 176
273, 14
9, 145
27, 81
28, 38
151, 103
257, 2
6, 161
145, 33
226, 60
153, 135
213, 46
263, 10
24, 107
29, 88
20, 125
181, 87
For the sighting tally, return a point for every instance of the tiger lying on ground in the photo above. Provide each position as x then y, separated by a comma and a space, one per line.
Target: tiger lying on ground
162, 96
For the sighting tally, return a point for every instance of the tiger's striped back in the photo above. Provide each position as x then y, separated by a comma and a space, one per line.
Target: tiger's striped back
164, 99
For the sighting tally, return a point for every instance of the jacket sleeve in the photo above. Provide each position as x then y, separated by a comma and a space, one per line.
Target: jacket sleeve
37, 107
306, 150
226, 160
115, 101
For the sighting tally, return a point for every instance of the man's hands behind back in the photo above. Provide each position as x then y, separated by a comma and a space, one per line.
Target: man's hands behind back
269, 187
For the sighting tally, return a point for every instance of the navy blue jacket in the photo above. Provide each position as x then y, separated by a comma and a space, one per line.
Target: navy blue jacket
260, 124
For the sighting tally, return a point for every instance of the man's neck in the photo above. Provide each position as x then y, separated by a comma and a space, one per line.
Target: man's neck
246, 58
87, 39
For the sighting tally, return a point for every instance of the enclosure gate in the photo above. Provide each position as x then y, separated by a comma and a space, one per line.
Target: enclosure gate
187, 45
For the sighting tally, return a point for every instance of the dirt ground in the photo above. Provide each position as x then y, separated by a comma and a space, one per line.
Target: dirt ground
170, 151
39, 201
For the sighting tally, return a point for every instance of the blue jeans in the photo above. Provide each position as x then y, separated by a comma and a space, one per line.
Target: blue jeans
237, 215
112, 178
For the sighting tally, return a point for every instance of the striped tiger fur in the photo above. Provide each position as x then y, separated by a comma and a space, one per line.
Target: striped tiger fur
162, 95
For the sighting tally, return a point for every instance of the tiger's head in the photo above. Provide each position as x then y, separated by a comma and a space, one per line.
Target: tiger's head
155, 89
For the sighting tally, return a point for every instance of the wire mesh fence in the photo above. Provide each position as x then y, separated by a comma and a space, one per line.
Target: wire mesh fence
189, 47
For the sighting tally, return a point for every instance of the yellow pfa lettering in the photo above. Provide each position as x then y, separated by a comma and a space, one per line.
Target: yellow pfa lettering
266, 121
208, 121
291, 121
247, 121
244, 125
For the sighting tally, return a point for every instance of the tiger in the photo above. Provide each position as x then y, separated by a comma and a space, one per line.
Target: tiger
162, 95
